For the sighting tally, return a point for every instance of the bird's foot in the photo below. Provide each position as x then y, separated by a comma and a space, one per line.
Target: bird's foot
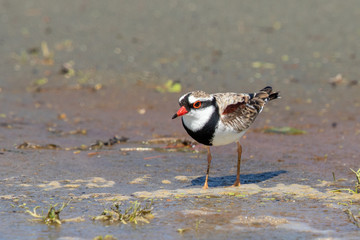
205, 186
236, 184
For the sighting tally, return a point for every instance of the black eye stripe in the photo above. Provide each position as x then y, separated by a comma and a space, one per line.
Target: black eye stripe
197, 104
205, 103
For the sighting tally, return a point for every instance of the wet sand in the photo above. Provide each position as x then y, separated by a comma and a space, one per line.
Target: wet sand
73, 75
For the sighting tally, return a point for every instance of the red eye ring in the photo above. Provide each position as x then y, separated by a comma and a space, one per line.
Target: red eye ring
197, 104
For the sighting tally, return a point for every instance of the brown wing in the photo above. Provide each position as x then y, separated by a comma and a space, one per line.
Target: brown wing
239, 116
233, 107
234, 110
240, 110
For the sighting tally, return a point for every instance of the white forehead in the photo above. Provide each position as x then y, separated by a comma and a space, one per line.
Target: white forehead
196, 96
193, 99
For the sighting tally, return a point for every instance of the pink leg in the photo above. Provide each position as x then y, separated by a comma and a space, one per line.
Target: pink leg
208, 169
237, 182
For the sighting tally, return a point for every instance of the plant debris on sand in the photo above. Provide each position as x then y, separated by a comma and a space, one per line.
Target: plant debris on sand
52, 216
285, 130
106, 237
27, 145
97, 145
357, 185
357, 174
112, 141
135, 213
352, 218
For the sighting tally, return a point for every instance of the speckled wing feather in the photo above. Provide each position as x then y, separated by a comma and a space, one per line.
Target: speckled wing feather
239, 110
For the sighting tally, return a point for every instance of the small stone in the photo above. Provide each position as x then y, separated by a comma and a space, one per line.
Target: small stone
142, 111
143, 194
182, 178
166, 182
72, 185
259, 221
139, 180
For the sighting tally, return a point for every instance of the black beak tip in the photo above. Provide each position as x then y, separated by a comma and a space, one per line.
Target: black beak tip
175, 116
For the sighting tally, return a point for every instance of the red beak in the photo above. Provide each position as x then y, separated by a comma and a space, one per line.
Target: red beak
182, 111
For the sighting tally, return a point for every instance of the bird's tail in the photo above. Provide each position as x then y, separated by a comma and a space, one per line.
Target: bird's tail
259, 99
267, 94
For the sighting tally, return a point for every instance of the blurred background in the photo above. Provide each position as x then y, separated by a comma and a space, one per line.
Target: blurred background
309, 50
76, 72
122, 65
212, 45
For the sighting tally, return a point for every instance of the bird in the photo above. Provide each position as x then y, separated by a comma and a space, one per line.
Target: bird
221, 118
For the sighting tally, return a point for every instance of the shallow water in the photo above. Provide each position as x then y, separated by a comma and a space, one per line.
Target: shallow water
122, 52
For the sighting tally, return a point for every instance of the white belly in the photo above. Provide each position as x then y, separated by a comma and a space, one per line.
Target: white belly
225, 135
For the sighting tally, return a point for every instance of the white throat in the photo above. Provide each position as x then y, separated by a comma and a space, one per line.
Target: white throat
196, 119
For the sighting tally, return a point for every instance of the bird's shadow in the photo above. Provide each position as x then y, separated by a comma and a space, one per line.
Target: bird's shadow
229, 180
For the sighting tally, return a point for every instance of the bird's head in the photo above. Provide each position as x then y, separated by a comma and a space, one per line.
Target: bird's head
196, 108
